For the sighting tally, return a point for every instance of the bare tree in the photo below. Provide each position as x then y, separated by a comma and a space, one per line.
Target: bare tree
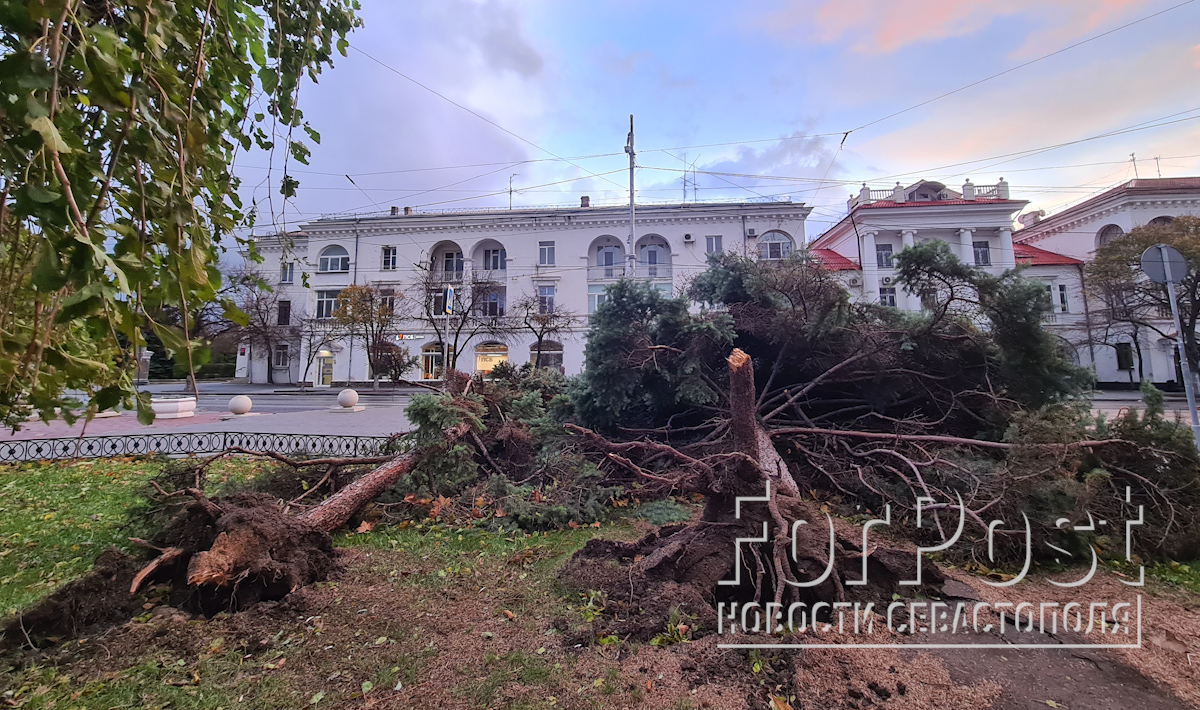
368, 314
1137, 305
457, 309
315, 334
268, 320
543, 319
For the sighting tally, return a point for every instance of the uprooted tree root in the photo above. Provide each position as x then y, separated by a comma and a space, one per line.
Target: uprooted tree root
214, 555
681, 567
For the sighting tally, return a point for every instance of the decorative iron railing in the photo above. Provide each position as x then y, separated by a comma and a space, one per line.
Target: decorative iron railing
182, 444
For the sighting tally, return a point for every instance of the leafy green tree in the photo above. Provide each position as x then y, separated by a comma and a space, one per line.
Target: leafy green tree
121, 123
1133, 303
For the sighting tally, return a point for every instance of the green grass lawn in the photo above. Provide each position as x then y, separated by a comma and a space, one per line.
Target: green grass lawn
56, 518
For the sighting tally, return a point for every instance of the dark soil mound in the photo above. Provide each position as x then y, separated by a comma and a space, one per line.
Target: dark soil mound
213, 556
100, 597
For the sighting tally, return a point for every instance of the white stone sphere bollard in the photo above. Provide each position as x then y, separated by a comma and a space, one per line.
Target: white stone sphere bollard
347, 398
240, 404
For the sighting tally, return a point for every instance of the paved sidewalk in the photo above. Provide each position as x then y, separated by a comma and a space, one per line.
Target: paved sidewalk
381, 420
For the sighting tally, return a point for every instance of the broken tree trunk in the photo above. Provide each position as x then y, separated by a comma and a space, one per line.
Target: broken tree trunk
683, 565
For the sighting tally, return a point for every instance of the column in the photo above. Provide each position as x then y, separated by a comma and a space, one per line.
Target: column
908, 301
1007, 259
965, 251
870, 268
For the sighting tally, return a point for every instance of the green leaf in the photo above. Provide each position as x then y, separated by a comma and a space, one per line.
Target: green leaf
41, 194
367, 686
317, 697
145, 414
45, 127
107, 398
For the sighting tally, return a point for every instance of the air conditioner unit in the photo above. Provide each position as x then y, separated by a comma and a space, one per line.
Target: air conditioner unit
751, 232
688, 238
855, 281
887, 280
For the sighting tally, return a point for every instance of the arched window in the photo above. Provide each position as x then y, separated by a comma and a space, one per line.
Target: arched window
488, 355
334, 258
1106, 235
1163, 221
549, 355
774, 245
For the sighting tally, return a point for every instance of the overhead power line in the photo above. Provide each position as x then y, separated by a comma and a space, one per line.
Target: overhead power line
476, 114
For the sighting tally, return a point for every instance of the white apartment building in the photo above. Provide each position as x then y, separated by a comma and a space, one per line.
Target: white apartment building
1118, 354
564, 256
978, 222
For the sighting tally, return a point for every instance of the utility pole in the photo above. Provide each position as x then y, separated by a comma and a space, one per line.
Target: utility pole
510, 177
1133, 157
632, 214
1157, 166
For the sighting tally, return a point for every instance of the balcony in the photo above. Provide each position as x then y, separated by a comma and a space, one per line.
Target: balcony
498, 276
443, 276
652, 271
609, 272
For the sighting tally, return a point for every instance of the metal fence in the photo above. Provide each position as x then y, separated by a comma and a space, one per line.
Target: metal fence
183, 444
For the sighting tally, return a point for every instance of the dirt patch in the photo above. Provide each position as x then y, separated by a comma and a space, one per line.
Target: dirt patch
222, 555
100, 597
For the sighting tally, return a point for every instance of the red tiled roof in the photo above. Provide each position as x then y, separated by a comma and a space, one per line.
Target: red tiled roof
1032, 256
833, 261
924, 203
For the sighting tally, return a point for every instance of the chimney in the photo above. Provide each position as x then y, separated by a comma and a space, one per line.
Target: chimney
395, 210
585, 201
407, 211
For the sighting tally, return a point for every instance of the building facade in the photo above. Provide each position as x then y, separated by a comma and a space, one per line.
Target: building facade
564, 257
978, 222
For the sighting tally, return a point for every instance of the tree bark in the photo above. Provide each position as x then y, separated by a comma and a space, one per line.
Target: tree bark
336, 510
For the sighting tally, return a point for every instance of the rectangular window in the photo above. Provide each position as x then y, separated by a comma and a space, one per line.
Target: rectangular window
1062, 298
983, 254
452, 264
887, 296
327, 303
545, 253
387, 301
712, 244
596, 296
287, 272
282, 355
442, 301
492, 306
390, 259
545, 299
883, 256
494, 259
285, 313
1124, 356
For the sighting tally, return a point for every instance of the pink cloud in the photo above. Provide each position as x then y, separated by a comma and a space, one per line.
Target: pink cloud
881, 27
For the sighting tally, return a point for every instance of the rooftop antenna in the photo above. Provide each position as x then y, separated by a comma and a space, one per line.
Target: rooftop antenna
1133, 157
510, 177
1157, 167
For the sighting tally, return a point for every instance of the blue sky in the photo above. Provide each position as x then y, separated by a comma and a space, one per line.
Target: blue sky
790, 75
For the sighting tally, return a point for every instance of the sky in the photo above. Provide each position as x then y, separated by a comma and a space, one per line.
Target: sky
799, 99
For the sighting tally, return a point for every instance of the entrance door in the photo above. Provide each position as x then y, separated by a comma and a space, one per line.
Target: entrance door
326, 370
